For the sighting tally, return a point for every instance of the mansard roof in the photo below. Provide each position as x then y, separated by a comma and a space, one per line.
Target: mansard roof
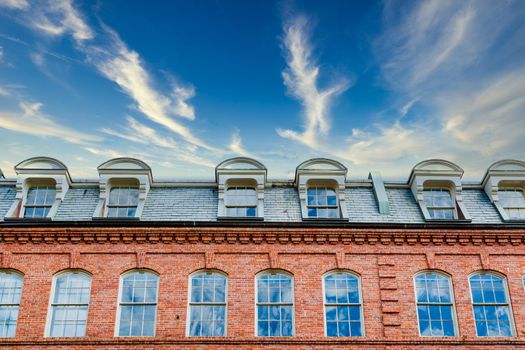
186, 201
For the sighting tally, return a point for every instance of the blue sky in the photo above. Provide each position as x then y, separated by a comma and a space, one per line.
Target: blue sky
184, 85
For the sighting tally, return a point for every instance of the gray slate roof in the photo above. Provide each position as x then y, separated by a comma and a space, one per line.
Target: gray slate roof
281, 203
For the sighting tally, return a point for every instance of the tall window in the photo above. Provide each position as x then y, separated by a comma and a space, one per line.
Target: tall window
322, 202
241, 201
343, 305
69, 305
123, 202
513, 201
435, 305
274, 295
10, 292
138, 304
208, 304
491, 306
439, 203
39, 201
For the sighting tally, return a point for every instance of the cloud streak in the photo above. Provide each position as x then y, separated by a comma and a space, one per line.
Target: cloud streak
301, 79
32, 121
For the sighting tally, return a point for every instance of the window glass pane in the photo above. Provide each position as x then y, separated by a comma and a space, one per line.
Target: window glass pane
69, 309
434, 305
208, 305
138, 304
322, 202
342, 305
275, 305
490, 305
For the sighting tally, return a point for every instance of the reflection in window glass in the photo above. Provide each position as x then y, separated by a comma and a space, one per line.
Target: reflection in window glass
434, 305
439, 203
274, 305
208, 305
491, 306
69, 305
39, 201
138, 304
343, 310
241, 202
123, 202
322, 202
10, 292
513, 201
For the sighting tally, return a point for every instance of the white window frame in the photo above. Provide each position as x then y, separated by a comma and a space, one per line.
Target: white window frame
361, 304
36, 185
256, 313
188, 309
21, 276
452, 303
511, 189
49, 318
108, 205
235, 186
336, 207
509, 304
119, 304
452, 198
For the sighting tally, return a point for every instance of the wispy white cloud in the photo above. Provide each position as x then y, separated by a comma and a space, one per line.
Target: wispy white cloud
301, 79
237, 147
105, 152
31, 120
58, 17
14, 4
138, 132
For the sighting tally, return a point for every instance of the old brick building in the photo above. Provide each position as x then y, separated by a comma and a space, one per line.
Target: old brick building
244, 261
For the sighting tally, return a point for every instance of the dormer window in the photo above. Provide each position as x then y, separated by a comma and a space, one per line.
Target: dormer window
241, 201
123, 202
39, 201
321, 184
124, 185
439, 203
504, 184
513, 202
436, 186
322, 202
240, 184
41, 186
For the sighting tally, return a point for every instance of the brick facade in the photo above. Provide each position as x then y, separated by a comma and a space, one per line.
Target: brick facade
386, 258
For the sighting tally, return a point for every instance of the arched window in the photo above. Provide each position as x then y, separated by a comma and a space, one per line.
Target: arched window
322, 202
490, 302
69, 305
138, 304
123, 201
10, 292
343, 305
208, 295
435, 304
39, 201
274, 302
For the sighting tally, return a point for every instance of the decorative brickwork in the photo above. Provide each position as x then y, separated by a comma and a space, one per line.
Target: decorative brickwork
385, 259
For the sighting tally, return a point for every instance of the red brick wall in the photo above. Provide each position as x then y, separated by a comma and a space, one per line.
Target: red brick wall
385, 259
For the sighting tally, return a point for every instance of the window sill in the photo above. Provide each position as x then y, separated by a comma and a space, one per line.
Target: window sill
242, 218
448, 221
326, 219
124, 218
28, 219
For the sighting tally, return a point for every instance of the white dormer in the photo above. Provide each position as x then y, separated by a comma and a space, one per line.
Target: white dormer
504, 183
321, 186
241, 183
436, 185
124, 184
41, 185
